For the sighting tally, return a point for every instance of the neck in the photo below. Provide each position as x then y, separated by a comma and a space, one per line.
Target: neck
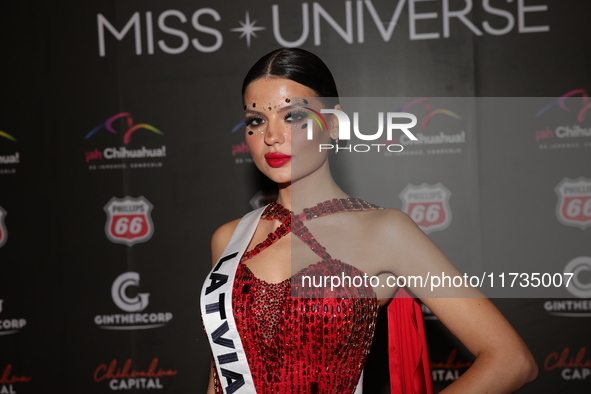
310, 190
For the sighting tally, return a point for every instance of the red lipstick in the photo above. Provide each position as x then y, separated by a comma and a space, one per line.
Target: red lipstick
276, 159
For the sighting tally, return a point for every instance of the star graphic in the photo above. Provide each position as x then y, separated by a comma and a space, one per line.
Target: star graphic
248, 29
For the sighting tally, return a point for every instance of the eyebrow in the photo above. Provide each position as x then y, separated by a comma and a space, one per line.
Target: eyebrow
280, 110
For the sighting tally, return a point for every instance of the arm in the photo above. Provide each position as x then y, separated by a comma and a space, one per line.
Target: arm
210, 388
219, 240
473, 319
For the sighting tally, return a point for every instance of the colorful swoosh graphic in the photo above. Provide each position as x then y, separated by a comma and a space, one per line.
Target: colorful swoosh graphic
128, 133
428, 117
561, 103
7, 136
429, 111
407, 106
318, 118
108, 125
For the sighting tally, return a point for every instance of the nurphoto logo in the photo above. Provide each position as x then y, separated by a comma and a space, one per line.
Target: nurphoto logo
391, 123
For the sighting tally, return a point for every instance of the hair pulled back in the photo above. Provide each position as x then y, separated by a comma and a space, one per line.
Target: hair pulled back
299, 66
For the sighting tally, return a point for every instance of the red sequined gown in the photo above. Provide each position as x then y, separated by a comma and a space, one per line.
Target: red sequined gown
305, 345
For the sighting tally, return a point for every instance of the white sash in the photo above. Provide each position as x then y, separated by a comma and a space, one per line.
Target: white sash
218, 318
216, 310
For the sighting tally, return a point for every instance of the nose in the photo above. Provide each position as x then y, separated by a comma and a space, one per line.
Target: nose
275, 133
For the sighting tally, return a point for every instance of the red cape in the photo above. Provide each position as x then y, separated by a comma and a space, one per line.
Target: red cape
410, 372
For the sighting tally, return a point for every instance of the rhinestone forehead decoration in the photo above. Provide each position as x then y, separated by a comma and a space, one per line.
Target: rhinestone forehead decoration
270, 105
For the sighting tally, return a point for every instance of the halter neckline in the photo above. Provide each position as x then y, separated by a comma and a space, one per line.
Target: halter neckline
276, 211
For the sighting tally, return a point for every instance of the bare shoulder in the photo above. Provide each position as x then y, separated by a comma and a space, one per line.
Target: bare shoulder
401, 246
391, 221
220, 239
386, 225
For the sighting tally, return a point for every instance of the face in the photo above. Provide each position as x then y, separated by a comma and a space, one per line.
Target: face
277, 129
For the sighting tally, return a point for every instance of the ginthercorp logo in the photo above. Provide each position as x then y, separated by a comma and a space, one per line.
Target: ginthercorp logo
10, 381
428, 206
3, 232
576, 278
127, 297
450, 369
118, 155
119, 293
8, 160
574, 202
126, 377
580, 285
205, 30
391, 120
561, 122
573, 365
10, 325
129, 220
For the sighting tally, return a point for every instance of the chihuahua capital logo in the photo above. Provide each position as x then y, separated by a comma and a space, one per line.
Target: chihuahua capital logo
129, 220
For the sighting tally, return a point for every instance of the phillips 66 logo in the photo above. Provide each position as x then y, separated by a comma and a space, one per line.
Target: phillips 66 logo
128, 220
3, 233
427, 205
574, 202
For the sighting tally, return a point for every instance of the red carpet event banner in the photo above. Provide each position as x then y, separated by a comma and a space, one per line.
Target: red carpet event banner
122, 149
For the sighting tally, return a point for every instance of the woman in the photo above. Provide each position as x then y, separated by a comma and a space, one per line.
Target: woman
269, 339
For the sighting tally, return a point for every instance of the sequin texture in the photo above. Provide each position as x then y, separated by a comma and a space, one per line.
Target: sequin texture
313, 345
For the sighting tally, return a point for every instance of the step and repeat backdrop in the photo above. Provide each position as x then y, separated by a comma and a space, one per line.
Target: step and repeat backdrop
121, 152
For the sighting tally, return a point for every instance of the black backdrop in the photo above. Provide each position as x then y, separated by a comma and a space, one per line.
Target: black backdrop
174, 69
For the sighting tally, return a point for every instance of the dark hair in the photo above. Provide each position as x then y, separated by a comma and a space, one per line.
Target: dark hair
299, 66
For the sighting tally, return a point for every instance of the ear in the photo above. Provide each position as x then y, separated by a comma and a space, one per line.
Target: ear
333, 127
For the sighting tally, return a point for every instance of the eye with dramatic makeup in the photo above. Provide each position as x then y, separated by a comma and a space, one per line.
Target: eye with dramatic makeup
253, 121
295, 116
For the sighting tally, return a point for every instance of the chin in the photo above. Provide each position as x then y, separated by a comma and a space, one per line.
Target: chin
278, 175
280, 179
